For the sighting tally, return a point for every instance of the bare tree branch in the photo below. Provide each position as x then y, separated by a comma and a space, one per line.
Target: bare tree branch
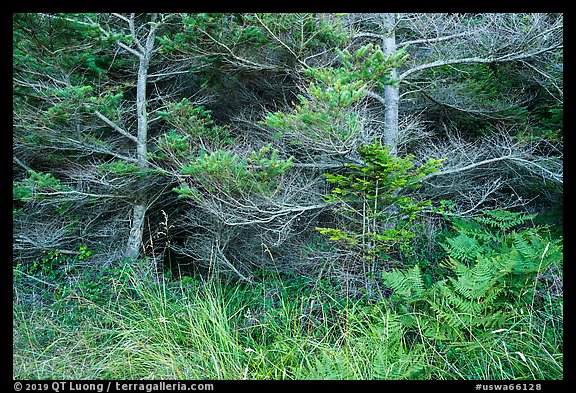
115, 126
468, 60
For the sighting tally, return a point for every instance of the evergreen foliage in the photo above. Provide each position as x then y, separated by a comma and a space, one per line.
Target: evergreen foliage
287, 196
325, 118
36, 187
225, 172
375, 201
193, 124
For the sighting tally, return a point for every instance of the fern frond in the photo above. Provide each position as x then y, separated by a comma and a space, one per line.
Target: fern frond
504, 263
451, 317
407, 284
461, 303
462, 247
438, 330
525, 246
475, 282
533, 253
503, 219
485, 236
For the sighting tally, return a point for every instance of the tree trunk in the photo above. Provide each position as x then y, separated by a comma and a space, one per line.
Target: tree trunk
391, 92
139, 209
140, 204
136, 231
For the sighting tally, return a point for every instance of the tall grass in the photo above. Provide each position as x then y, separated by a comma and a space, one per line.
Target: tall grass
131, 327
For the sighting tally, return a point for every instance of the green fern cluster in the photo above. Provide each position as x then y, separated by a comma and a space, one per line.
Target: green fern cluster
493, 267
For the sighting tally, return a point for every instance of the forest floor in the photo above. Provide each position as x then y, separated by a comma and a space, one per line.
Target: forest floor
116, 324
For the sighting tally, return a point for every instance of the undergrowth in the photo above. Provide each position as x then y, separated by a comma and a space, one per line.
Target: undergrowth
498, 315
